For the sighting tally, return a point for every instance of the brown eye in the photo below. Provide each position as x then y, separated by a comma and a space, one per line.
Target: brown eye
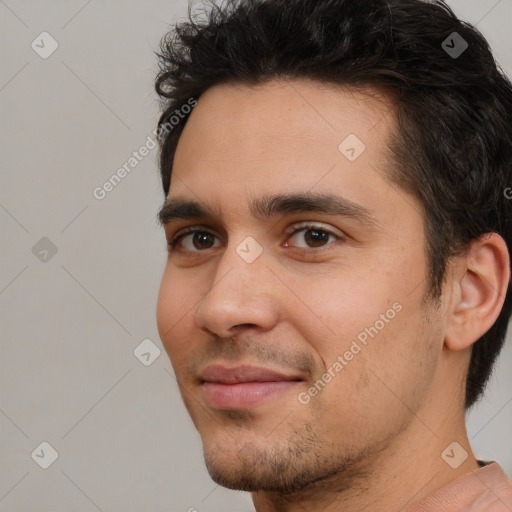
202, 240
316, 237
194, 240
311, 237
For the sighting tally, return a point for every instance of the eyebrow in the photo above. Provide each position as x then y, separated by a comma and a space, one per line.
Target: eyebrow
269, 206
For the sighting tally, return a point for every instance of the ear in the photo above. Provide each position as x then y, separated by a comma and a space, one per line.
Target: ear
480, 280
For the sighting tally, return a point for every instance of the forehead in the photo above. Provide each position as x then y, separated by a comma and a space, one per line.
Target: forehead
300, 116
290, 136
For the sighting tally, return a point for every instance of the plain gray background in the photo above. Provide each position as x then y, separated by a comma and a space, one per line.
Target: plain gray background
72, 320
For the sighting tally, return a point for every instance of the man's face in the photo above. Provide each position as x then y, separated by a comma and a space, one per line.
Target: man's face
298, 336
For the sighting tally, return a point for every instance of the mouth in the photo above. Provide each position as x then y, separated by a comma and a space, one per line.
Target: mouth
243, 387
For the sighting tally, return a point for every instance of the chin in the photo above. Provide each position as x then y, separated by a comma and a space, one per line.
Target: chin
285, 466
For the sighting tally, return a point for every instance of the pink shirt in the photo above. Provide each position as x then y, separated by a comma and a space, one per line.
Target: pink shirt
487, 489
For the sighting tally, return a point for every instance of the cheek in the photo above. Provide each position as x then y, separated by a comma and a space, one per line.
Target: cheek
173, 314
166, 306
342, 305
380, 389
397, 364
369, 318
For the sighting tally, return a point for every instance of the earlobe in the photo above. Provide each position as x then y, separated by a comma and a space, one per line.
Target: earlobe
479, 284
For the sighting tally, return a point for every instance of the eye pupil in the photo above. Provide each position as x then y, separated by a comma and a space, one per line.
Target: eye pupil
316, 237
202, 238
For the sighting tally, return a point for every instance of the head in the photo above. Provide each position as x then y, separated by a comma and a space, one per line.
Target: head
351, 176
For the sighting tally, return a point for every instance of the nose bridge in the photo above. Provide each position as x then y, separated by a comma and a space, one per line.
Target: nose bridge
240, 292
241, 265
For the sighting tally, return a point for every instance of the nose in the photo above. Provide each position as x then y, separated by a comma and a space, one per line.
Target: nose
241, 295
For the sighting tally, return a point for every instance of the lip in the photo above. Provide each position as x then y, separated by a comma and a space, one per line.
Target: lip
238, 374
243, 387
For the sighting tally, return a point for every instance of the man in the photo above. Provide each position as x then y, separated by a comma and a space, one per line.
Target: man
337, 284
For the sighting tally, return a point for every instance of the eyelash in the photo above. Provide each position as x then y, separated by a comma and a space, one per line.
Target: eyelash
297, 229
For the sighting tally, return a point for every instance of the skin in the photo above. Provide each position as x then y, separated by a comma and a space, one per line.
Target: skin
374, 435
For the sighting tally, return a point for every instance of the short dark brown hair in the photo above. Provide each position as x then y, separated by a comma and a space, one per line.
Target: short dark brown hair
453, 146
